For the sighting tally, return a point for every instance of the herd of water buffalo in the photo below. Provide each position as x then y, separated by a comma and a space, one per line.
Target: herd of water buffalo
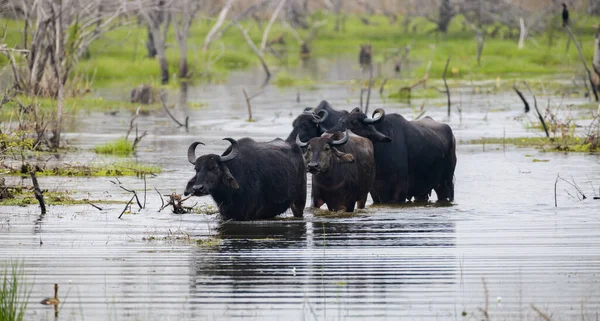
393, 159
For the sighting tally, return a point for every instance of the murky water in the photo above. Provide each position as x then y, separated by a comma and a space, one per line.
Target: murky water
412, 262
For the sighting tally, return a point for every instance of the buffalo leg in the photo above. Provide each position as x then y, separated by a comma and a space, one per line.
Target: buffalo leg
350, 206
297, 209
361, 202
317, 202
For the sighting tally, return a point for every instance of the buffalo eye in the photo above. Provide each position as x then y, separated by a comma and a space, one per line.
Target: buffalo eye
309, 149
326, 147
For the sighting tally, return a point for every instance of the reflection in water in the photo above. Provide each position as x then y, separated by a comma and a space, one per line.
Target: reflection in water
342, 266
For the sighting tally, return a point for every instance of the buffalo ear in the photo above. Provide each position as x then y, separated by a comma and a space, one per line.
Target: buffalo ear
228, 179
342, 157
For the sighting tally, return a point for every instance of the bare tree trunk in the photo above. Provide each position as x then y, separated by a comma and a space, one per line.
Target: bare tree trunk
150, 45
523, 33
594, 7
338, 16
446, 14
183, 65
215, 28
596, 60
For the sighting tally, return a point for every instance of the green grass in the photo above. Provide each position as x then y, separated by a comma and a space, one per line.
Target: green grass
23, 197
119, 147
122, 168
119, 57
14, 293
568, 144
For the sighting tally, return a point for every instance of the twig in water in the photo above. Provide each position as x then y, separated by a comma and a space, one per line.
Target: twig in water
144, 176
540, 313
446, 85
164, 104
589, 72
38, 192
134, 195
161, 199
248, 98
574, 185
126, 206
555, 183
522, 98
369, 90
95, 206
486, 294
382, 86
540, 117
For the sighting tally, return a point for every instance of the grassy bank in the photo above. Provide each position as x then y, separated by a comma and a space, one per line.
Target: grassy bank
569, 144
119, 57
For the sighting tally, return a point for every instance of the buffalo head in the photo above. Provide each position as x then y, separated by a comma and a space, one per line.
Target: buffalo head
321, 152
307, 125
211, 170
361, 125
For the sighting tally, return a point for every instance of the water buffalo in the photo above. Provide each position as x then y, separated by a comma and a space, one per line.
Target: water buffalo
343, 170
313, 123
412, 157
251, 180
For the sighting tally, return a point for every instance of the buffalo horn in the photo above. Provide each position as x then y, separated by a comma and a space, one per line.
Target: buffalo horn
299, 142
379, 111
320, 116
192, 152
341, 141
235, 151
308, 110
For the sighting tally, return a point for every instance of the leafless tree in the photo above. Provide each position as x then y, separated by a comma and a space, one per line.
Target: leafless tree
186, 11
158, 18
56, 34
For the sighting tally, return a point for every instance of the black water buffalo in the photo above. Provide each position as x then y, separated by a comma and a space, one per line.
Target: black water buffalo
343, 170
314, 122
412, 157
251, 180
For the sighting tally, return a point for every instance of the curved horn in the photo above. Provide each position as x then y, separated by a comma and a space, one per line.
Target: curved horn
235, 151
341, 141
299, 142
308, 110
192, 152
322, 115
356, 110
374, 120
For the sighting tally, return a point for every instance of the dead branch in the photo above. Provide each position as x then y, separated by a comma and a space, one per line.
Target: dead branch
522, 98
137, 113
94, 206
161, 199
487, 299
138, 138
555, 184
369, 89
382, 86
589, 72
256, 52
248, 104
540, 117
164, 104
177, 202
38, 192
215, 28
446, 85
263, 44
540, 313
126, 206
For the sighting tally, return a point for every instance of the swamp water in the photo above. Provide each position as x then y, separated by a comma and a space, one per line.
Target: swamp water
502, 238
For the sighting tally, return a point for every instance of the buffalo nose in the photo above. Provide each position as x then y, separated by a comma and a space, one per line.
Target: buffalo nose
198, 188
313, 166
